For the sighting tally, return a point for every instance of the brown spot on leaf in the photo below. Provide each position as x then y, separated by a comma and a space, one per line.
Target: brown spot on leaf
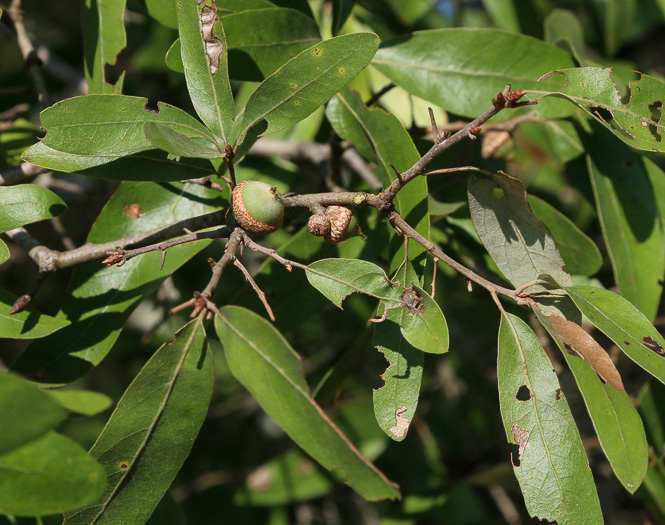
587, 348
653, 345
557, 394
401, 426
411, 299
214, 47
123, 465
133, 211
521, 438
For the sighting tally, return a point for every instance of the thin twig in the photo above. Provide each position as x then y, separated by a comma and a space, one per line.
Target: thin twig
254, 246
505, 99
377, 96
235, 239
50, 260
259, 292
20, 173
398, 222
120, 256
33, 64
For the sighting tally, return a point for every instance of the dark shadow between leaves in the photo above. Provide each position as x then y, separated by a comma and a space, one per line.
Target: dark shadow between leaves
243, 67
629, 178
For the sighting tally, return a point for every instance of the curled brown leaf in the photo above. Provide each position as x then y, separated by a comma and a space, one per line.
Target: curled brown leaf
587, 348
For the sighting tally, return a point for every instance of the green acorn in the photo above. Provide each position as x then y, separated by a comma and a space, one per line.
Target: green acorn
258, 207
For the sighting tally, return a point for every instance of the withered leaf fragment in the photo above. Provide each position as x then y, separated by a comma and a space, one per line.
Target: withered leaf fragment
587, 348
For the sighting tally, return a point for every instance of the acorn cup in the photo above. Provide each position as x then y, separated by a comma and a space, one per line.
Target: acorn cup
257, 207
340, 218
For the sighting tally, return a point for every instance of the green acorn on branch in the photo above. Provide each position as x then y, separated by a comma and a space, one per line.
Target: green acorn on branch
258, 207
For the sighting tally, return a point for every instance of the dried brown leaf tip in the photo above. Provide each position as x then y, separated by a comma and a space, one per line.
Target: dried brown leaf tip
587, 348
401, 426
213, 45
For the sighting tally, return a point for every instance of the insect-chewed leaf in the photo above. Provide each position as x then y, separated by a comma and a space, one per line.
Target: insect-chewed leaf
638, 122
422, 322
204, 57
586, 346
549, 459
396, 401
338, 278
618, 425
520, 244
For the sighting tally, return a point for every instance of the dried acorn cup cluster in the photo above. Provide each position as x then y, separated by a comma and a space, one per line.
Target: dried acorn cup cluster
259, 208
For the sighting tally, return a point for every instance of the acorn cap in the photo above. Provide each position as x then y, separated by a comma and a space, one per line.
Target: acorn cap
319, 224
340, 218
257, 207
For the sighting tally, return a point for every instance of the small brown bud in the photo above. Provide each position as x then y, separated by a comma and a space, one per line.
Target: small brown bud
113, 258
340, 218
319, 224
20, 304
514, 96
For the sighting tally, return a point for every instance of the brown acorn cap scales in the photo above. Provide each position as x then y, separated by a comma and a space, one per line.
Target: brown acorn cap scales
340, 218
257, 207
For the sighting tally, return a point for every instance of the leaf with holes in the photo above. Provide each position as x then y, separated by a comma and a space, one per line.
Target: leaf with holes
100, 299
396, 401
629, 190
307, 81
204, 56
619, 320
109, 126
422, 322
261, 359
638, 122
151, 431
520, 245
104, 38
461, 70
548, 457
617, 424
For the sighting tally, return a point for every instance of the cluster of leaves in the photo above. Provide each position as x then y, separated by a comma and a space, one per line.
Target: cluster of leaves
287, 80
